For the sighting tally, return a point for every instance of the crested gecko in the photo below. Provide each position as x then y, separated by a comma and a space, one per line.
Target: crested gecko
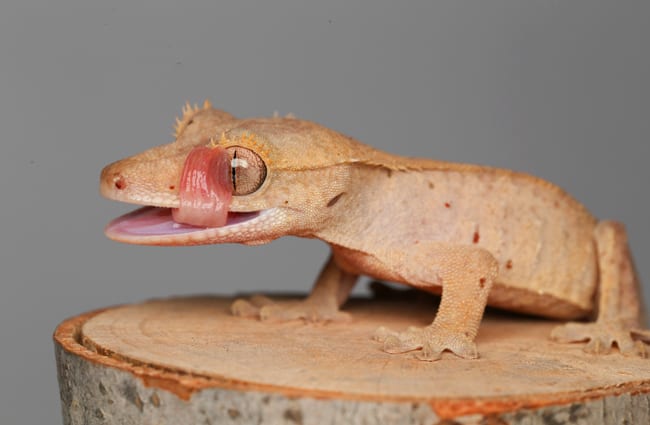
476, 235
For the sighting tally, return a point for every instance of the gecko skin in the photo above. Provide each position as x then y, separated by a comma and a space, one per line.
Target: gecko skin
477, 235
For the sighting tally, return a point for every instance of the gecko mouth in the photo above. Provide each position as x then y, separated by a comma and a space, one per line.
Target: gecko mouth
205, 193
157, 221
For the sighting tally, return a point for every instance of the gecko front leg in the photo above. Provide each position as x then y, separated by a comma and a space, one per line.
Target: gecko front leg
329, 293
466, 275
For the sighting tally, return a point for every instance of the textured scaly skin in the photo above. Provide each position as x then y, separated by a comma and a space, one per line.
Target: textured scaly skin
477, 234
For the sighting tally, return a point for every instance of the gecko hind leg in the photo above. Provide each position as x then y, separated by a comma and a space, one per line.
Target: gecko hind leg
620, 314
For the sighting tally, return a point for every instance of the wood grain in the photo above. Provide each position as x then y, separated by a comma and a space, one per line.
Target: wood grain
175, 353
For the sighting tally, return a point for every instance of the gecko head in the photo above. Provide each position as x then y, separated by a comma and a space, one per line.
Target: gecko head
229, 180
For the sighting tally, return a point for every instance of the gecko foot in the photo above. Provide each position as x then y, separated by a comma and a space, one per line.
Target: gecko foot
266, 309
602, 336
431, 341
251, 307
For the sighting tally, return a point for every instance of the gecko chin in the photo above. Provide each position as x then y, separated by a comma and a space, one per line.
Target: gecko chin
156, 226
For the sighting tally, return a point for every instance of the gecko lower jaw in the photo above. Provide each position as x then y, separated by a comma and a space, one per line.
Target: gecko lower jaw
155, 226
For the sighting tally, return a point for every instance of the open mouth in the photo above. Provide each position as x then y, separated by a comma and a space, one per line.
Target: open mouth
201, 214
156, 222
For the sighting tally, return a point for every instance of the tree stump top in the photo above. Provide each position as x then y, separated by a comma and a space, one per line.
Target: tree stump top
184, 345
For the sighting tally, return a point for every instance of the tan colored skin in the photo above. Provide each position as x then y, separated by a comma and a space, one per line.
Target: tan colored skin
477, 234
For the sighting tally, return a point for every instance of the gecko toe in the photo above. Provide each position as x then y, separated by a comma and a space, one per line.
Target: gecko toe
429, 353
569, 332
278, 313
463, 347
243, 308
602, 337
250, 307
399, 342
441, 341
308, 310
432, 341
641, 334
632, 348
598, 346
396, 344
381, 333
267, 310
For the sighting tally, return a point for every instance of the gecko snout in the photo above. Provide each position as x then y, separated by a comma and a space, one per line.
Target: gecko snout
111, 175
142, 182
112, 181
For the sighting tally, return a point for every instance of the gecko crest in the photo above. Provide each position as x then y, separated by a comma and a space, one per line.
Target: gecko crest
188, 112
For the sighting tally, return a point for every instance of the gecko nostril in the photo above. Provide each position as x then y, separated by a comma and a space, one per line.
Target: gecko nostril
120, 184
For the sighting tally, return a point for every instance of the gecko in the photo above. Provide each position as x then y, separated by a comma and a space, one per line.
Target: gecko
474, 234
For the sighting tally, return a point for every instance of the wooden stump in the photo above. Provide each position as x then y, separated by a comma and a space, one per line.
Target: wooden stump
188, 361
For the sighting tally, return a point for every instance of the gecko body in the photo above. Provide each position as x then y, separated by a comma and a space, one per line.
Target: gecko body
478, 235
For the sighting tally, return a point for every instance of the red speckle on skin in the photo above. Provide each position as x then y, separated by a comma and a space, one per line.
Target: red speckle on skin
476, 237
447, 205
509, 264
172, 187
481, 282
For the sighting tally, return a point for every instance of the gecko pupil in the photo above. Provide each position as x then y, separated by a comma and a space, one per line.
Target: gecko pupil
233, 174
247, 170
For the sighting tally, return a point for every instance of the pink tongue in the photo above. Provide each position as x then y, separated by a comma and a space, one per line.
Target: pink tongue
205, 189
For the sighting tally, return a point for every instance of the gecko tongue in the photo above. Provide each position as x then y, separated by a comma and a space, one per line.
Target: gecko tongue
205, 188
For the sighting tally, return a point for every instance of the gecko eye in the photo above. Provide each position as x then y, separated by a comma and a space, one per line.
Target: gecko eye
247, 170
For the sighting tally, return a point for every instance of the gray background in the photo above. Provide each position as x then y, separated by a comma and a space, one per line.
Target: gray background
556, 88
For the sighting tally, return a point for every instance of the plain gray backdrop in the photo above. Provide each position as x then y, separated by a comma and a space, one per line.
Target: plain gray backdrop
555, 88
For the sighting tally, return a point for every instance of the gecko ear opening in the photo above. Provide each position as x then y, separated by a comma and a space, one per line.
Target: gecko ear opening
248, 170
